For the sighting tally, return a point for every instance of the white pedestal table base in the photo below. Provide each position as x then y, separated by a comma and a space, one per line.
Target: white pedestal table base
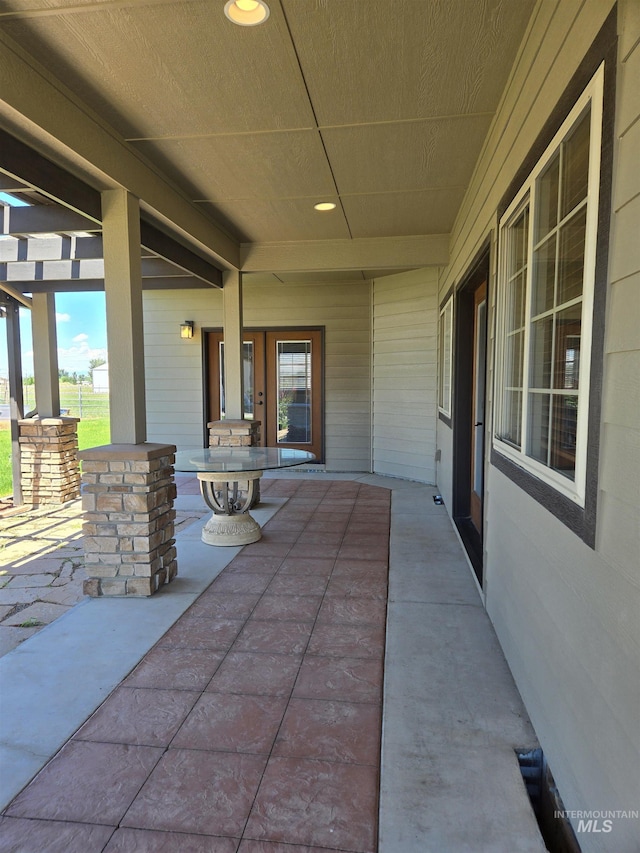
231, 522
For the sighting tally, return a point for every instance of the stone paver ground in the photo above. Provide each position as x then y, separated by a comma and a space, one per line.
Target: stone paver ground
42, 564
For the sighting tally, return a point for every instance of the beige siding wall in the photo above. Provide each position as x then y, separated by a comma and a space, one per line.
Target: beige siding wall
174, 367
567, 615
405, 314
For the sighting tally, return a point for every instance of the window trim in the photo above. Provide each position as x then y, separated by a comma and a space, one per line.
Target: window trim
575, 490
580, 520
446, 365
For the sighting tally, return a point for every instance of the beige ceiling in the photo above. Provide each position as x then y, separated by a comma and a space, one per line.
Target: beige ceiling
379, 105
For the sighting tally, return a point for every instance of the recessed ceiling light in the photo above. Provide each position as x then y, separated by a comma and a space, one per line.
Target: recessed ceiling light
324, 205
247, 13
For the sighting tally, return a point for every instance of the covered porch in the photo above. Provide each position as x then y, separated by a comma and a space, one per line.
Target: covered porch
344, 740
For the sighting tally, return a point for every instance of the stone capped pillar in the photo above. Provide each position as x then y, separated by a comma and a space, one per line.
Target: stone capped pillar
232, 433
128, 494
49, 460
236, 433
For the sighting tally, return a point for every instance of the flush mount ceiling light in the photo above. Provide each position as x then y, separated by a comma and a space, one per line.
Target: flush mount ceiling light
246, 13
324, 205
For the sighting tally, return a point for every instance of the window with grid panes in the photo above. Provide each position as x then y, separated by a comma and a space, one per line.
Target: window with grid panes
445, 357
547, 245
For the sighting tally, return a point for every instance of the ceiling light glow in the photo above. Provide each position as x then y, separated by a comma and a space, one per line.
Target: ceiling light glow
246, 13
324, 205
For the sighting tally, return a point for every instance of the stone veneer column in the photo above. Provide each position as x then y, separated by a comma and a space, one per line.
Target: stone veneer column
234, 433
49, 460
128, 494
237, 433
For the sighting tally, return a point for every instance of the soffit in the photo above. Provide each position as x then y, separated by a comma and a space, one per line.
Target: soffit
279, 219
380, 106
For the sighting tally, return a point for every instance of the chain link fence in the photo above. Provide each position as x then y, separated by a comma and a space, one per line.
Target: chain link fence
77, 401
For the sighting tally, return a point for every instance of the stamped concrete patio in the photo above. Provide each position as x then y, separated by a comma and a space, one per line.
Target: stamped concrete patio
42, 564
255, 705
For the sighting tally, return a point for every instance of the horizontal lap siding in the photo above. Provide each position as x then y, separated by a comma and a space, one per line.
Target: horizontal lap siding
174, 367
566, 614
404, 375
619, 528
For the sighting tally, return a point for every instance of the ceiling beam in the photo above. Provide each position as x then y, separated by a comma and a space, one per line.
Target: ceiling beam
45, 219
159, 268
166, 247
91, 248
11, 185
362, 253
88, 248
175, 283
85, 285
16, 293
26, 165
74, 270
45, 113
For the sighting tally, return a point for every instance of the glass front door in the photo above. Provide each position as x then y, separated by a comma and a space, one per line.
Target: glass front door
282, 385
477, 408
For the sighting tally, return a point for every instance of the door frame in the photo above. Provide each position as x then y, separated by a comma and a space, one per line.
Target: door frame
478, 436
248, 332
462, 421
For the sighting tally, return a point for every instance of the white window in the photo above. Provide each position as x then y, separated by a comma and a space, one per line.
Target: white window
546, 280
445, 347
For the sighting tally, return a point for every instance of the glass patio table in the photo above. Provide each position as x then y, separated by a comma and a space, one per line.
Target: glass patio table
229, 481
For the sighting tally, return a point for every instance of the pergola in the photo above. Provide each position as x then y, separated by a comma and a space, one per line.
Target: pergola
61, 240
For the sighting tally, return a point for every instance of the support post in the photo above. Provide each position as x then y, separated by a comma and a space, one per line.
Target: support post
123, 295
16, 398
233, 345
45, 355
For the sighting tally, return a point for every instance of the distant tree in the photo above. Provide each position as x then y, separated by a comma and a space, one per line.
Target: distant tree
96, 362
28, 380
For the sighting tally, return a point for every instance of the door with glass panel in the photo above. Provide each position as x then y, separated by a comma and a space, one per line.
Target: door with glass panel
282, 385
469, 399
476, 495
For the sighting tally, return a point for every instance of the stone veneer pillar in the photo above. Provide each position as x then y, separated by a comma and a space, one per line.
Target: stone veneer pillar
49, 460
237, 433
128, 494
234, 433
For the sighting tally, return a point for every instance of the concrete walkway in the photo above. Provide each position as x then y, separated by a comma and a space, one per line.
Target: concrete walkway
42, 564
452, 717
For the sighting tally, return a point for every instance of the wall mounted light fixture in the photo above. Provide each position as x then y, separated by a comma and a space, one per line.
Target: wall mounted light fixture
186, 329
247, 13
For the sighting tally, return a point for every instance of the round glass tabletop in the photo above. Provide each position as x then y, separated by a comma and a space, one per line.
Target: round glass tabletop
238, 459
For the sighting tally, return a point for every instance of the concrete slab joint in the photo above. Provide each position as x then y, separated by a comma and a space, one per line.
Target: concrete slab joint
128, 495
49, 460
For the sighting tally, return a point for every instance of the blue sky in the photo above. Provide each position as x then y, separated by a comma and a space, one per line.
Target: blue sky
81, 329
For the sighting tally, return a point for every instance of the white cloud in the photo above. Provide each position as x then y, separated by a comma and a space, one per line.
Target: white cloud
63, 318
80, 338
76, 359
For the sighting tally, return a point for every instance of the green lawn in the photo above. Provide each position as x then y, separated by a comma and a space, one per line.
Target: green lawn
92, 432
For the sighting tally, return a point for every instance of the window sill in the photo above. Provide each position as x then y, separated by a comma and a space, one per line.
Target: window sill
577, 518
